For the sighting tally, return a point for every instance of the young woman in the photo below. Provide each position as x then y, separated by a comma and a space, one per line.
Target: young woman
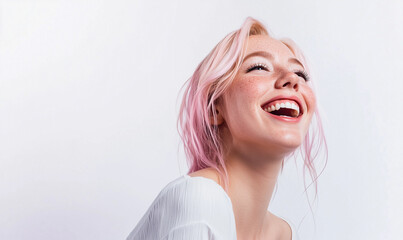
247, 107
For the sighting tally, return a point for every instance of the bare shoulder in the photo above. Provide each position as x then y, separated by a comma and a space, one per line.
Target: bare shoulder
283, 229
209, 173
286, 232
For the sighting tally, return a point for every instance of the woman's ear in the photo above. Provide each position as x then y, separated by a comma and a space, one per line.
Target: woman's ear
219, 118
219, 114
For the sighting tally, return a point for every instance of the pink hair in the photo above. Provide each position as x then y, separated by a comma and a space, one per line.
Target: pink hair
212, 77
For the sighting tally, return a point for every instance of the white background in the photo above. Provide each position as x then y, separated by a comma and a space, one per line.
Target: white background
88, 107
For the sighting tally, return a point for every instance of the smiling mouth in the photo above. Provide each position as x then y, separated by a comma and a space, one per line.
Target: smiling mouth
283, 108
283, 112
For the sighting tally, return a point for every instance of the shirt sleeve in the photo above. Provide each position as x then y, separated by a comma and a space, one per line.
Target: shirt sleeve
198, 207
192, 208
196, 231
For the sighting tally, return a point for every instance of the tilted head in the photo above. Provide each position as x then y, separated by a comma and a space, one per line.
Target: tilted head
237, 95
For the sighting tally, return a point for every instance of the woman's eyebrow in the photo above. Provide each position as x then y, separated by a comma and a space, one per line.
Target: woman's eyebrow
294, 60
260, 53
270, 57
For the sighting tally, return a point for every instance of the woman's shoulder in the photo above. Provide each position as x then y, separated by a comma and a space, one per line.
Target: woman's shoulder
188, 200
195, 190
201, 186
209, 173
285, 228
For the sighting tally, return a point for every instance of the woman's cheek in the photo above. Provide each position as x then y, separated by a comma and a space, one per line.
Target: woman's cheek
254, 86
311, 99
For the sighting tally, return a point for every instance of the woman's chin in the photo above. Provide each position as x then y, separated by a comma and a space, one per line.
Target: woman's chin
285, 144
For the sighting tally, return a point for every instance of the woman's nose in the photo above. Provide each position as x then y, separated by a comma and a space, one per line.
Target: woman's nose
288, 80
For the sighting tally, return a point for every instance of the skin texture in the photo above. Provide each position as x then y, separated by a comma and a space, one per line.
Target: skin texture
257, 143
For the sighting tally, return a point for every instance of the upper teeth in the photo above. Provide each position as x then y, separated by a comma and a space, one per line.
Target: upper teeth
277, 106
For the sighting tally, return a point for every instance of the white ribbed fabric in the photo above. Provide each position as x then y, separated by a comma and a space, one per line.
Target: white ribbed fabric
194, 208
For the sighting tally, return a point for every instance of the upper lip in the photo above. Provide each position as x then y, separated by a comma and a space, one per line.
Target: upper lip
284, 97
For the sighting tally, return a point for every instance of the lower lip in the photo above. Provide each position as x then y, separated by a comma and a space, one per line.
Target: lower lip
286, 119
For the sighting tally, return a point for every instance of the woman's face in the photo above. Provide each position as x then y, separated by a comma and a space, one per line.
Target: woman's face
269, 71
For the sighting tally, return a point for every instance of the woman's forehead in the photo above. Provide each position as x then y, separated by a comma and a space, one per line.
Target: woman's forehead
268, 44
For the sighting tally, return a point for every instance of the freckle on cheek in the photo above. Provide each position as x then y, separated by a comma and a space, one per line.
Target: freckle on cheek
247, 90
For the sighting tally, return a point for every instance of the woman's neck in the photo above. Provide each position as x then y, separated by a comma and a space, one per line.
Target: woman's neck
252, 179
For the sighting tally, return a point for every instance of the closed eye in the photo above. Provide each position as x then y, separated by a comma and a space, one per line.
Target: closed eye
262, 66
257, 66
303, 74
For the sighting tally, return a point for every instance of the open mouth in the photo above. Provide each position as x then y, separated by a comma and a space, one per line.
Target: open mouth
285, 112
284, 108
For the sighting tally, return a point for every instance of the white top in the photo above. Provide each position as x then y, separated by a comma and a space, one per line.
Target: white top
189, 208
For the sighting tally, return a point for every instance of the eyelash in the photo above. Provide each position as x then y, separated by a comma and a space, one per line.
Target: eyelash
303, 74
262, 65
300, 73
